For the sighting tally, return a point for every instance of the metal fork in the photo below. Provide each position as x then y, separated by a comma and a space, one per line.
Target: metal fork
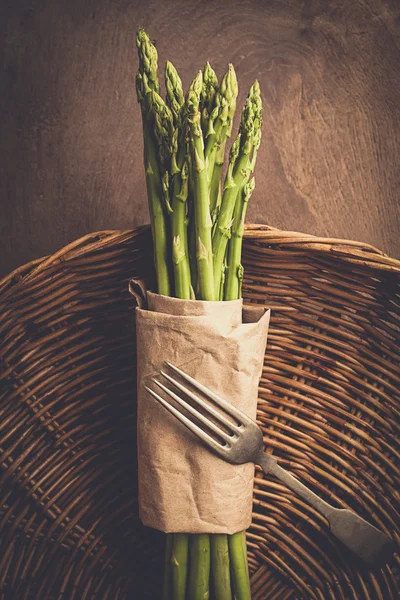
240, 440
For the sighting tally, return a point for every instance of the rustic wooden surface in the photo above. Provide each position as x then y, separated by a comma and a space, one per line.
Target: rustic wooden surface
70, 144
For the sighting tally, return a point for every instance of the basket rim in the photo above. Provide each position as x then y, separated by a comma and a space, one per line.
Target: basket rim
355, 252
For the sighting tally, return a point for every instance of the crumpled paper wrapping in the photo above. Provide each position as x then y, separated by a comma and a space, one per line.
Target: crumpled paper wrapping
183, 487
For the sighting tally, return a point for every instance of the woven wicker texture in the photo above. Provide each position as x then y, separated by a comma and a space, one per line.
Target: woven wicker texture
328, 404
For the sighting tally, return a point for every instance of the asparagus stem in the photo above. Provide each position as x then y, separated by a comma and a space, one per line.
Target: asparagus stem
157, 216
215, 185
180, 256
146, 84
215, 192
239, 568
234, 271
220, 567
192, 255
199, 576
167, 569
220, 126
164, 135
180, 172
238, 164
192, 233
201, 193
222, 283
179, 564
241, 164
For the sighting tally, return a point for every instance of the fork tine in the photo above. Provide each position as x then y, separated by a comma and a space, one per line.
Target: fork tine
193, 411
229, 408
210, 409
207, 439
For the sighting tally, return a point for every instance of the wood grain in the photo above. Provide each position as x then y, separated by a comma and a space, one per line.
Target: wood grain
71, 147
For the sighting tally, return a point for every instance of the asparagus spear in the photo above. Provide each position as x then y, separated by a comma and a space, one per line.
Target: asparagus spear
200, 544
146, 83
233, 290
199, 577
180, 251
200, 190
219, 129
192, 236
179, 564
163, 131
234, 270
240, 571
220, 567
241, 163
192, 242
171, 156
180, 173
207, 102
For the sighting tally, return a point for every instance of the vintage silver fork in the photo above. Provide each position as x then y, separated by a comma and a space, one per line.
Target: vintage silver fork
240, 440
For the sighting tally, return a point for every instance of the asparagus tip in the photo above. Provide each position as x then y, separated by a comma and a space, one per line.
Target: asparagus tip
148, 58
141, 36
209, 74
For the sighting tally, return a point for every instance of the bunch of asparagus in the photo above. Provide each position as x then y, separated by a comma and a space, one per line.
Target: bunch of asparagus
197, 229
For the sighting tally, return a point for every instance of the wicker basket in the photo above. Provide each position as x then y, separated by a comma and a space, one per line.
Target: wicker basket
328, 404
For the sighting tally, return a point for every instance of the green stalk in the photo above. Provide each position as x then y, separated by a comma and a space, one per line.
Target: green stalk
146, 84
222, 284
220, 567
192, 233
192, 241
157, 216
164, 136
159, 231
180, 262
219, 129
233, 290
157, 190
167, 569
234, 271
201, 193
220, 121
180, 173
239, 567
241, 163
215, 184
199, 577
180, 256
215, 191
179, 564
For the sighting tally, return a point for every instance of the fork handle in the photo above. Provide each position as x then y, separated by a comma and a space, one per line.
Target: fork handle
361, 537
269, 464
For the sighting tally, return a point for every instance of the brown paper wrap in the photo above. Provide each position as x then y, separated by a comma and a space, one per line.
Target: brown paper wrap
183, 487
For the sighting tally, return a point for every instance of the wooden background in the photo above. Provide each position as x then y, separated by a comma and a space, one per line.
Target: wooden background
70, 143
